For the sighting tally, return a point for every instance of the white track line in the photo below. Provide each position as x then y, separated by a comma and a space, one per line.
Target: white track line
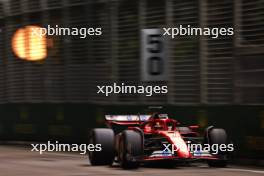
245, 170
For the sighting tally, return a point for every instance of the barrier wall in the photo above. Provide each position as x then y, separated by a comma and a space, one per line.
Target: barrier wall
72, 122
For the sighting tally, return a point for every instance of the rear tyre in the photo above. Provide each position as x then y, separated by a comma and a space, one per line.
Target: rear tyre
218, 136
130, 149
105, 137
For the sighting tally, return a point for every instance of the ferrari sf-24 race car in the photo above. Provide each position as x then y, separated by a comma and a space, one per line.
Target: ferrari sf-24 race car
134, 139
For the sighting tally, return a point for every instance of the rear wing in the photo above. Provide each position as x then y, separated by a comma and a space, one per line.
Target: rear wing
126, 119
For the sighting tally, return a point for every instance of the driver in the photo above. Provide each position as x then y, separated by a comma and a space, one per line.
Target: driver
155, 115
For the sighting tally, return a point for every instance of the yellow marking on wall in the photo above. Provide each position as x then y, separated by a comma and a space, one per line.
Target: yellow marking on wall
24, 128
255, 142
60, 114
202, 118
23, 112
60, 130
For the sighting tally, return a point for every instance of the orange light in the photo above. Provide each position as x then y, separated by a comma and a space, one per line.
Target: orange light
29, 46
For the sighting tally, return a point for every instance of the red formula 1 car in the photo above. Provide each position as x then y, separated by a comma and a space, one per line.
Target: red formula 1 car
134, 139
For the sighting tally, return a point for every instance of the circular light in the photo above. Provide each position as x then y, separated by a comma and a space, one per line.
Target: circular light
29, 46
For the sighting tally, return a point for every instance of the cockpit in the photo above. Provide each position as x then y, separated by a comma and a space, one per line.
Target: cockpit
160, 124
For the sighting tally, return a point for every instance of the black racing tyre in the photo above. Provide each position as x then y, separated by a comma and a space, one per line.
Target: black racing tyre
130, 148
218, 136
105, 137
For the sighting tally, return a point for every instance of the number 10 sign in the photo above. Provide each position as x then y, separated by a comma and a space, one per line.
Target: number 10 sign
153, 56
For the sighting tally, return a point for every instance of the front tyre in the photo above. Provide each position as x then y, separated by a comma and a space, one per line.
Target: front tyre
105, 137
218, 136
130, 149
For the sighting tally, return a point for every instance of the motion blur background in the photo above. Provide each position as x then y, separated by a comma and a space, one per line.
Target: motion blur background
48, 86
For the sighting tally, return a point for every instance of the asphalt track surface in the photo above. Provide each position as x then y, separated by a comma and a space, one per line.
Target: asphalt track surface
17, 161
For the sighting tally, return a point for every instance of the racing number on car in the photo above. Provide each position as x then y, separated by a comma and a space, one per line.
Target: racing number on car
153, 61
